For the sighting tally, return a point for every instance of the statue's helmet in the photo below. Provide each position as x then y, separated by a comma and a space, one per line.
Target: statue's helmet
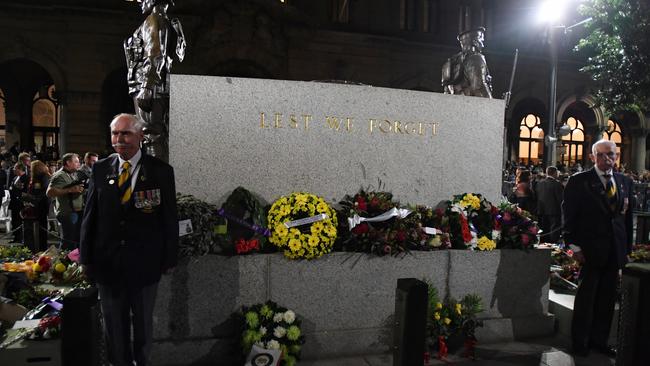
472, 37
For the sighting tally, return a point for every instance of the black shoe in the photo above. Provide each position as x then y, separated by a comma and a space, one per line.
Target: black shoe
606, 350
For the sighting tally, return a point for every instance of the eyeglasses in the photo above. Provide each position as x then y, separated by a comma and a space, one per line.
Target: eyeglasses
611, 155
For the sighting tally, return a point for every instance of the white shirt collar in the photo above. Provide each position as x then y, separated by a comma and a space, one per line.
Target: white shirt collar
600, 172
133, 161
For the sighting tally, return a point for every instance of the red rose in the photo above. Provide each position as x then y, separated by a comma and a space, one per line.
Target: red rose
525, 239
374, 202
45, 262
464, 226
361, 229
240, 246
401, 236
533, 230
361, 203
254, 244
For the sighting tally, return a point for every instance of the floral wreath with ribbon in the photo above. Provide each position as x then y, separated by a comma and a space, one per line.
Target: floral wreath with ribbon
303, 225
480, 215
376, 224
243, 227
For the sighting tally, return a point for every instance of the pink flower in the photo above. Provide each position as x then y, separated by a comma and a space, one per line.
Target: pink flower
533, 230
525, 239
387, 249
507, 216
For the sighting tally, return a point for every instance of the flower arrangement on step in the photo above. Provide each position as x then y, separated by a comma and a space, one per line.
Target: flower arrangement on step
517, 228
272, 327
565, 270
303, 225
453, 320
376, 224
640, 253
242, 227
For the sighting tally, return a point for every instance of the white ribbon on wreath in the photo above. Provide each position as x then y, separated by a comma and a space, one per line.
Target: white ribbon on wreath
393, 212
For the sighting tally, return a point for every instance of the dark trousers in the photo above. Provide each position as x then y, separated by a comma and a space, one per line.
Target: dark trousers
16, 221
70, 229
593, 308
551, 225
124, 308
35, 234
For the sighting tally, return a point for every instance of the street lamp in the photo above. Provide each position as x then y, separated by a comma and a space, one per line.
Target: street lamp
552, 11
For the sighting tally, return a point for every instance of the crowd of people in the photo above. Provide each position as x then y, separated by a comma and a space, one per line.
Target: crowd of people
42, 190
538, 190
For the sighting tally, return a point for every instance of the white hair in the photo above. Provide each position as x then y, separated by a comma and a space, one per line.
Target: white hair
594, 147
136, 122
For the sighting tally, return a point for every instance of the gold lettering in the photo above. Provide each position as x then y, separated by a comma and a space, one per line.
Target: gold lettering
333, 122
390, 126
398, 127
262, 120
278, 120
409, 130
434, 126
293, 122
371, 123
306, 118
420, 131
348, 122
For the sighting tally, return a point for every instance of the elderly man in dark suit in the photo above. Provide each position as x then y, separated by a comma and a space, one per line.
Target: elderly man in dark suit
549, 202
129, 238
597, 223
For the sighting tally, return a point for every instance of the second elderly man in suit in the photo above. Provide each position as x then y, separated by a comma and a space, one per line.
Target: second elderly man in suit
597, 218
129, 238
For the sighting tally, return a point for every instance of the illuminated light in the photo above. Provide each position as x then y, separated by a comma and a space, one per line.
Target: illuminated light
551, 11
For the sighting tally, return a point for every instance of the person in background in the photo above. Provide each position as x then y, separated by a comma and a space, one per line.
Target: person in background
25, 159
597, 225
90, 158
67, 191
523, 194
18, 185
549, 206
36, 207
129, 238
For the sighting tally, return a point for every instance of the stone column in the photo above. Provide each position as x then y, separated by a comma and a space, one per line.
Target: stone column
638, 156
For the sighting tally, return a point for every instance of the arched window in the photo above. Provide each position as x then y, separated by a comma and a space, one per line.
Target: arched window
531, 139
614, 133
46, 112
573, 143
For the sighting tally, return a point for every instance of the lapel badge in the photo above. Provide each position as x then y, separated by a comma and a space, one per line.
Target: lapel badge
112, 181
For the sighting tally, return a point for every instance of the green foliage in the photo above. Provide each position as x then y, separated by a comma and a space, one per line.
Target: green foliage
618, 51
203, 239
14, 253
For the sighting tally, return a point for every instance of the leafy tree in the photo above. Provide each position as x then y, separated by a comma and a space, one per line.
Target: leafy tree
618, 51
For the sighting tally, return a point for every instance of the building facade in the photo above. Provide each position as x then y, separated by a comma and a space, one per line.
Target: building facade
63, 73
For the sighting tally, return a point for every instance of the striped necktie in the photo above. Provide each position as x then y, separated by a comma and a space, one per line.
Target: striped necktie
124, 183
610, 190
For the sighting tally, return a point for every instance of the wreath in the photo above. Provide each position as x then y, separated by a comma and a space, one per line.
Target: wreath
242, 225
480, 214
303, 225
376, 224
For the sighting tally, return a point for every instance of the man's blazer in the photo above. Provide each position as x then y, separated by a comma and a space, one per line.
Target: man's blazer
549, 197
135, 242
604, 234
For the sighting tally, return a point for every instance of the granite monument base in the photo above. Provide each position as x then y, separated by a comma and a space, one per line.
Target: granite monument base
346, 300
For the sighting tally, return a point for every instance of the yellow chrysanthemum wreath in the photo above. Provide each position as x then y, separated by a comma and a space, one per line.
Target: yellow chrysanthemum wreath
310, 240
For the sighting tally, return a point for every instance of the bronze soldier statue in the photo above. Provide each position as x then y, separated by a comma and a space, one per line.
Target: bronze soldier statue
149, 62
466, 72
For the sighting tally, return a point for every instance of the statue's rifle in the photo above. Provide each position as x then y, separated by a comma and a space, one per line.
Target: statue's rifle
506, 96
